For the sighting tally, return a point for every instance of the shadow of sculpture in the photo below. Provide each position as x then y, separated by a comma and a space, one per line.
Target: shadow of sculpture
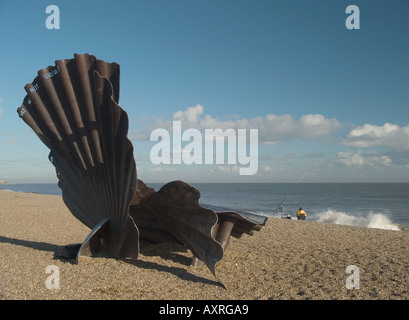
42, 246
173, 252
181, 273
60, 252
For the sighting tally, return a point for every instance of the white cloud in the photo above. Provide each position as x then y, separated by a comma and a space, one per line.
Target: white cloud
361, 159
272, 129
190, 115
389, 135
275, 129
228, 169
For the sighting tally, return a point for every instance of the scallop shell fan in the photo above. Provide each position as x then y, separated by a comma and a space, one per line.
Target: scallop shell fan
73, 108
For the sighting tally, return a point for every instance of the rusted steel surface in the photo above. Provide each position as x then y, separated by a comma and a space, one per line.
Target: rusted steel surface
244, 222
173, 214
73, 108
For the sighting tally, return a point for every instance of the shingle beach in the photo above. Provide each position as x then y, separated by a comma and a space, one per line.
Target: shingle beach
287, 259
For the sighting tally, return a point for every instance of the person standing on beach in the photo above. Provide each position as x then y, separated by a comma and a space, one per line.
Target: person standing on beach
301, 215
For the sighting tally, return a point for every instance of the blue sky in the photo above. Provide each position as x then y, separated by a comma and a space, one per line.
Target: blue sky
330, 104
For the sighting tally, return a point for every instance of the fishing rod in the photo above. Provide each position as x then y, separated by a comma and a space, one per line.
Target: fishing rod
280, 207
285, 198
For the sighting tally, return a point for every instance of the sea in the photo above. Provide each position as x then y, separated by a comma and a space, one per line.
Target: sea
372, 205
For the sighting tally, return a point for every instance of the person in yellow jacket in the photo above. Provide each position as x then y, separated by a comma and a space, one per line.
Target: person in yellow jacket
301, 215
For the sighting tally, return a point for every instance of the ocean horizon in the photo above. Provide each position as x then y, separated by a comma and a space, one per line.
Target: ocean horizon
373, 205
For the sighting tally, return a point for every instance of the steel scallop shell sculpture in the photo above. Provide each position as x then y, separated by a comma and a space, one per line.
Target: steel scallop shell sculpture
73, 108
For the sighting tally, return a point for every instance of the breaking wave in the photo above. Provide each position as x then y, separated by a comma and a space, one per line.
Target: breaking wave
372, 220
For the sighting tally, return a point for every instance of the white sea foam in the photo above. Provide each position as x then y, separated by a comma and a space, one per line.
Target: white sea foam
372, 220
